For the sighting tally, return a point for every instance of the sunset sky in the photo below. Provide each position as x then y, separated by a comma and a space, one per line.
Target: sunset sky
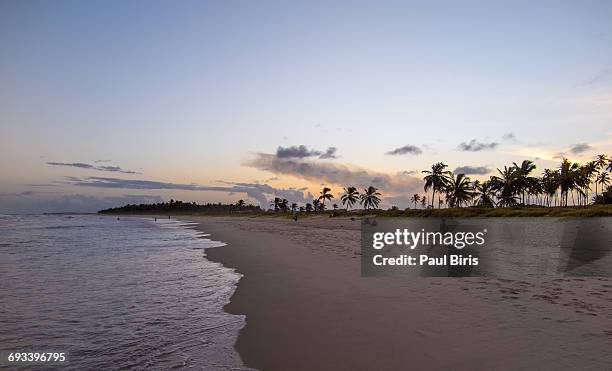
108, 102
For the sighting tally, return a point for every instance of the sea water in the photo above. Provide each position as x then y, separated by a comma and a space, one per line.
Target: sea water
127, 293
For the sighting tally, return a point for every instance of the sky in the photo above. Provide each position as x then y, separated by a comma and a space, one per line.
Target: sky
104, 103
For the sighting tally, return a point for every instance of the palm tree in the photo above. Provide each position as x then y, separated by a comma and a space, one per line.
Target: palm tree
316, 204
424, 201
325, 195
284, 204
484, 193
600, 163
436, 179
603, 179
415, 198
350, 196
458, 191
567, 179
240, 204
475, 186
504, 186
276, 203
522, 181
550, 184
369, 198
308, 207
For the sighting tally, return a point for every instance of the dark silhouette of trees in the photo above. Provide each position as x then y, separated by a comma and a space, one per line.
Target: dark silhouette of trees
370, 198
176, 207
325, 195
437, 179
458, 190
349, 197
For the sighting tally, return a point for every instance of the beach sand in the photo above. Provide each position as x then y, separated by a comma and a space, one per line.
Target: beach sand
308, 308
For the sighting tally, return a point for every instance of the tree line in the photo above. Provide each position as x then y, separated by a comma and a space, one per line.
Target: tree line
513, 185
179, 207
516, 185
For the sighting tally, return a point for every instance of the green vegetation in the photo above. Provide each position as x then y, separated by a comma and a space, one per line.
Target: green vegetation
180, 207
513, 192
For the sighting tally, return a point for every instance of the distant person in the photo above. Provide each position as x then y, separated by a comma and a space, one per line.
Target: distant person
294, 213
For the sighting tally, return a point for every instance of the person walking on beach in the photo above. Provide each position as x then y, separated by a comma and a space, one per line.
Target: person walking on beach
294, 212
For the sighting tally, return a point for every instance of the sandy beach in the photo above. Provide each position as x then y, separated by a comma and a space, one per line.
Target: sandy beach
307, 307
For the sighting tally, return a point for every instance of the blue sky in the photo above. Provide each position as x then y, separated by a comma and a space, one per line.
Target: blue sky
196, 92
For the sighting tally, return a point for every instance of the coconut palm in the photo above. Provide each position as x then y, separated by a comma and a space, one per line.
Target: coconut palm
316, 204
522, 181
484, 194
567, 179
284, 205
415, 198
369, 198
240, 204
550, 184
601, 161
276, 203
584, 179
424, 201
504, 186
436, 179
308, 207
325, 195
603, 179
458, 191
475, 186
349, 197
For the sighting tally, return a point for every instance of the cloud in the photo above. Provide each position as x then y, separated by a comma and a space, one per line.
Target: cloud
409, 172
302, 151
474, 146
510, 137
407, 149
24, 193
71, 203
579, 148
331, 173
98, 161
259, 192
82, 165
330, 153
602, 76
472, 170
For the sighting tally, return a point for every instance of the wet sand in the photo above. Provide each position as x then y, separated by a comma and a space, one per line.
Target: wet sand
307, 307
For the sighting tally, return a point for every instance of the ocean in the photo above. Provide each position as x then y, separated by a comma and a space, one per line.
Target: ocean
128, 293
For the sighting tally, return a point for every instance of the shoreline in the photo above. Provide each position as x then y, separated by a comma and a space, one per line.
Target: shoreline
307, 307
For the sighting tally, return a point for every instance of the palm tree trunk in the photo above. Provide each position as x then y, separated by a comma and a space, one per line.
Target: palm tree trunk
433, 196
